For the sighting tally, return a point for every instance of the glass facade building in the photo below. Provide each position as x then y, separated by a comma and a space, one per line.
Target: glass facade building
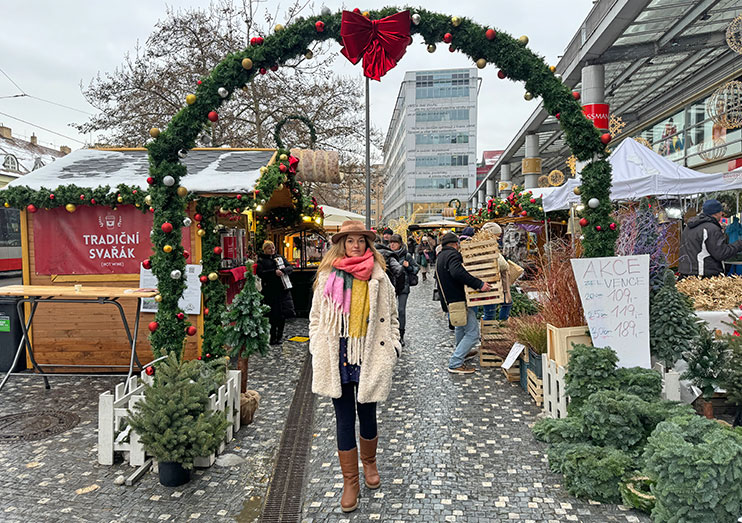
430, 149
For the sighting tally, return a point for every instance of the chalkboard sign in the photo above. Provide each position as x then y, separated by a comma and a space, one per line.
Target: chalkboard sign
615, 296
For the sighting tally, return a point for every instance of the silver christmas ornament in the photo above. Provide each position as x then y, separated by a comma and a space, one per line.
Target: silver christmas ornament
182, 153
558, 77
325, 10
416, 19
168, 181
176, 274
187, 222
222, 92
593, 203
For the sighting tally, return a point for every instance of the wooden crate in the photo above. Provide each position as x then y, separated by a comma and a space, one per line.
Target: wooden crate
535, 388
559, 341
555, 396
480, 260
494, 343
488, 358
513, 373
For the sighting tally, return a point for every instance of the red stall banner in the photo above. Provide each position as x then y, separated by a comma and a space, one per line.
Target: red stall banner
599, 114
93, 240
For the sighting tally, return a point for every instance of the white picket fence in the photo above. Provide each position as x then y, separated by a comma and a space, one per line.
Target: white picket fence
114, 435
670, 382
555, 396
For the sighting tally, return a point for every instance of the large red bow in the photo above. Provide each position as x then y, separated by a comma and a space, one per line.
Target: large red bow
381, 43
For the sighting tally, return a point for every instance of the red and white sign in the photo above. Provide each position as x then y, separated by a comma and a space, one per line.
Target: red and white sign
598, 113
93, 240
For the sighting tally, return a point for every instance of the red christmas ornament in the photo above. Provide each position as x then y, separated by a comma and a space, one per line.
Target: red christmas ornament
257, 191
320, 26
198, 82
82, 196
191, 330
612, 226
501, 74
198, 226
213, 116
282, 168
357, 11
149, 371
524, 213
51, 196
575, 95
167, 227
147, 264
263, 70
151, 209
186, 254
558, 115
448, 38
31, 208
239, 196
532, 200
208, 355
198, 217
259, 40
274, 67
605, 138
199, 357
583, 222
598, 228
92, 201
153, 326
180, 316
206, 311
217, 250
203, 278
134, 191
451, 49
490, 34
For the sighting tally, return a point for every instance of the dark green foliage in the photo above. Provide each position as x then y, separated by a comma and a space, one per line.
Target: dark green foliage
596, 183
246, 328
590, 472
589, 370
673, 325
306, 121
173, 421
645, 383
565, 430
214, 373
522, 304
731, 378
697, 467
707, 359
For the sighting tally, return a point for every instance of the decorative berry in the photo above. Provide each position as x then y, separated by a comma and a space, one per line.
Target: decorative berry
532, 200
51, 196
263, 70
501, 74
612, 226
82, 196
282, 168
186, 254
92, 201
598, 228
239, 196
206, 311
274, 67
558, 116
208, 355
198, 217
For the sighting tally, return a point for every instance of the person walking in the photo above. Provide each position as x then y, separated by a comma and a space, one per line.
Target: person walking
354, 343
386, 235
410, 279
703, 245
490, 311
394, 268
452, 277
274, 271
423, 257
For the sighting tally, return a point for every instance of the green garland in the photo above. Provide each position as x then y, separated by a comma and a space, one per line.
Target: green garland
303, 119
21, 197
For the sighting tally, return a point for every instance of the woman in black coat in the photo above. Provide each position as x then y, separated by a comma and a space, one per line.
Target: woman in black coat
274, 270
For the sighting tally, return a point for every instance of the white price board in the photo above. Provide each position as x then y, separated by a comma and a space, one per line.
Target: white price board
190, 302
515, 351
615, 295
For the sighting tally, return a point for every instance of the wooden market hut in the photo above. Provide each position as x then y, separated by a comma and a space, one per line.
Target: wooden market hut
57, 247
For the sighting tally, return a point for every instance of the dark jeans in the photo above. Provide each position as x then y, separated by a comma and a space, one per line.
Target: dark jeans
402, 312
277, 325
490, 310
345, 415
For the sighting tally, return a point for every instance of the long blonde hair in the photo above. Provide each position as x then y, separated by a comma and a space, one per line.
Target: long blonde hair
337, 251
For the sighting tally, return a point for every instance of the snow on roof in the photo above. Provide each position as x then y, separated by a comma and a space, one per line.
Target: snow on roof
25, 156
208, 170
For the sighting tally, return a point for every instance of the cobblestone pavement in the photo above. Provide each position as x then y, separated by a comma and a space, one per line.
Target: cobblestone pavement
40, 480
451, 447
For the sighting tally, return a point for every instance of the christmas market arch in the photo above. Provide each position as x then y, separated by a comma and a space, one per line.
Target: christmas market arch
379, 40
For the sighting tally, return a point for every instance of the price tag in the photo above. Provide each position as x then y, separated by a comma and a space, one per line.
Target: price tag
615, 296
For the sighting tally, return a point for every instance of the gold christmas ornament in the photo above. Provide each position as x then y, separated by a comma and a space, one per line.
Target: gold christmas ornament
213, 276
278, 28
481, 63
263, 170
734, 35
283, 157
201, 232
523, 40
246, 64
455, 21
577, 191
167, 248
309, 55
158, 298
528, 96
6, 204
280, 187
154, 132
120, 199
724, 107
366, 14
191, 99
71, 207
552, 68
431, 48
615, 125
182, 191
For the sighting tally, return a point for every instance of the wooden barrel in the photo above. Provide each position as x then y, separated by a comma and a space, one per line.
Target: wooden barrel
317, 166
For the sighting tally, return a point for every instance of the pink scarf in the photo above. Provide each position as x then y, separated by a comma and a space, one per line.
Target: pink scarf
360, 267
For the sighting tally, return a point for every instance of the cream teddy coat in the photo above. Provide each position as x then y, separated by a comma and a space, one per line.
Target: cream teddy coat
380, 353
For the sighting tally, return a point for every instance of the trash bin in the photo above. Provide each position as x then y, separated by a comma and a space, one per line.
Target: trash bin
10, 335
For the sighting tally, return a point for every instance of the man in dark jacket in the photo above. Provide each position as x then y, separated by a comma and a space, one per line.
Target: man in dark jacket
394, 268
452, 278
410, 278
386, 236
703, 245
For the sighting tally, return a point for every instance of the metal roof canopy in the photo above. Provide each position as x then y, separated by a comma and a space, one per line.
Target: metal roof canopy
650, 48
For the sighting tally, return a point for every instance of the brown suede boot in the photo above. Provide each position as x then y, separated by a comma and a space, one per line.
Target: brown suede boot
368, 458
351, 485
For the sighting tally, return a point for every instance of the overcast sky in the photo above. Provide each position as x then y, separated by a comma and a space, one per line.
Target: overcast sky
48, 48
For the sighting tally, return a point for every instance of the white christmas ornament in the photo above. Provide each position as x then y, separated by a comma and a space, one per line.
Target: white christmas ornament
169, 181
416, 19
182, 153
176, 274
187, 222
222, 92
593, 203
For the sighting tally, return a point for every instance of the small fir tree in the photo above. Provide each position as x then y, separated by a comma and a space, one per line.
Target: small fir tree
246, 328
707, 360
732, 376
173, 421
673, 326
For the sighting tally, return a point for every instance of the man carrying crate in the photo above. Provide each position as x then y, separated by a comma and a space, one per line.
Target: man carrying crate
452, 278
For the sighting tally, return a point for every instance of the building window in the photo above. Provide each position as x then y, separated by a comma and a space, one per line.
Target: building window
441, 138
442, 183
446, 115
448, 160
11, 163
38, 163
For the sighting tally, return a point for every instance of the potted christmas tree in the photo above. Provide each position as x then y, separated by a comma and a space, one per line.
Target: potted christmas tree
707, 360
173, 421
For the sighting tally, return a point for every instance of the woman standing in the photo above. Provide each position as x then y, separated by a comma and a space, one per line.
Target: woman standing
274, 271
354, 343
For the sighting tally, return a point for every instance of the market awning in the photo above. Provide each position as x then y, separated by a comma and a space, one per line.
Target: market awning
442, 223
334, 217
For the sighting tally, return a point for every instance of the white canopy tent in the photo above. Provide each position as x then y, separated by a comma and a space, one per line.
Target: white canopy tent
441, 224
334, 217
638, 171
